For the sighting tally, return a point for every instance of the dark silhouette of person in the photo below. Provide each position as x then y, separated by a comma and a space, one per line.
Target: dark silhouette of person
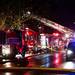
24, 50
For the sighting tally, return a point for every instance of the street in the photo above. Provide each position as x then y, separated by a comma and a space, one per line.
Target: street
38, 61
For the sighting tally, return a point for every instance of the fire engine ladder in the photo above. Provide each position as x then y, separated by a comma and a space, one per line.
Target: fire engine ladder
54, 25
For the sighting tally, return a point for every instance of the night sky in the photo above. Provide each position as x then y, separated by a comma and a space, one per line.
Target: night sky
60, 11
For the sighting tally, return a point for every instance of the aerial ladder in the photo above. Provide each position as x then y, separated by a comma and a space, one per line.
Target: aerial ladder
60, 28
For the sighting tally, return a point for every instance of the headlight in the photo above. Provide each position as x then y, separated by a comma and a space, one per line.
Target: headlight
69, 52
68, 65
18, 56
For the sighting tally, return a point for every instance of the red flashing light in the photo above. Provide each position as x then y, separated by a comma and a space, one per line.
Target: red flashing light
30, 42
29, 33
55, 34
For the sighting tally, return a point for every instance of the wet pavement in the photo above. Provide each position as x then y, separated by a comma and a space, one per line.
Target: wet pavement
40, 61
